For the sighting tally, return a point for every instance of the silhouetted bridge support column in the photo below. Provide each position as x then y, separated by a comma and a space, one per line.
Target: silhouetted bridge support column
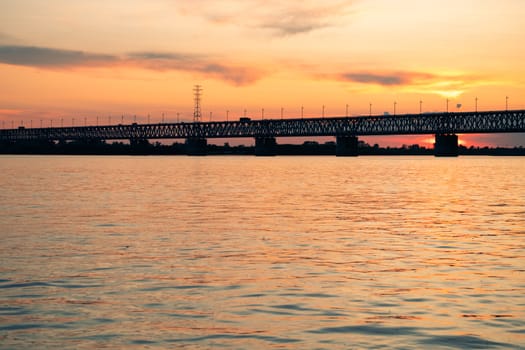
346, 146
265, 146
196, 146
446, 145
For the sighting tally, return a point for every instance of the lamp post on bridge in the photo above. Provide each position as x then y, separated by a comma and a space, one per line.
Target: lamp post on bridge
347, 110
506, 103
323, 111
395, 103
302, 112
476, 110
370, 109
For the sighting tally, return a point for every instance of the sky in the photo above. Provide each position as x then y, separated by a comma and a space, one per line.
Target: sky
78, 62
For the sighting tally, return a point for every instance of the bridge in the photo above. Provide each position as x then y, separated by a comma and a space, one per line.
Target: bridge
346, 130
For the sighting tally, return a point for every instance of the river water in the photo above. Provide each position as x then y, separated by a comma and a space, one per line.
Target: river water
261, 253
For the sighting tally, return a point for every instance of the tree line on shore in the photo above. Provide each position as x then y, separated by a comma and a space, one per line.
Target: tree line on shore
144, 147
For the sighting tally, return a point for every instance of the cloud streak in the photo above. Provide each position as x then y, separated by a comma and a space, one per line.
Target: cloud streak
51, 58
387, 79
303, 17
280, 18
165, 61
443, 85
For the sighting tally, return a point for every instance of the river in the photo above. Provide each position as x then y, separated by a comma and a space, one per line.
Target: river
260, 253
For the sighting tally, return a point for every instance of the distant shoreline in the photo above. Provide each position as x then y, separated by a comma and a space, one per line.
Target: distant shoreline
308, 148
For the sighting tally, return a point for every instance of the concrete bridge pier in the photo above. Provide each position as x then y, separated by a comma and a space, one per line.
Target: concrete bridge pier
265, 146
346, 146
196, 146
446, 145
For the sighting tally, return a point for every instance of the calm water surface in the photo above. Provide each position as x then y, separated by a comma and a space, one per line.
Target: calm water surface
259, 253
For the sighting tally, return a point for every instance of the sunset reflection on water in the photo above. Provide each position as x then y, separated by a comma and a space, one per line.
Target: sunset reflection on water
245, 252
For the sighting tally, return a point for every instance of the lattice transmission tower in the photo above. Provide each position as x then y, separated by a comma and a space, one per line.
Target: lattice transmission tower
197, 113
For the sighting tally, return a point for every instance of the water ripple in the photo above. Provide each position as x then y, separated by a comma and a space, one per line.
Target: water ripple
271, 339
25, 285
368, 329
464, 342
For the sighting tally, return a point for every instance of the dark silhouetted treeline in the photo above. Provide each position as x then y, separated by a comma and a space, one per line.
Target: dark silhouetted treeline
144, 147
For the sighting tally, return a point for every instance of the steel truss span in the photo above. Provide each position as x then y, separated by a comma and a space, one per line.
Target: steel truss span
435, 123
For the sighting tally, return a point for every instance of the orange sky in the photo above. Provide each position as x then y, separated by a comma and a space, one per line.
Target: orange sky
62, 59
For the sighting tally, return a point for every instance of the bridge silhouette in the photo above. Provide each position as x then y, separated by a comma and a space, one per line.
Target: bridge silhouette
445, 126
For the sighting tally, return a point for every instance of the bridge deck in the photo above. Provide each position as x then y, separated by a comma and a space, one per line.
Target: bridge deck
430, 123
